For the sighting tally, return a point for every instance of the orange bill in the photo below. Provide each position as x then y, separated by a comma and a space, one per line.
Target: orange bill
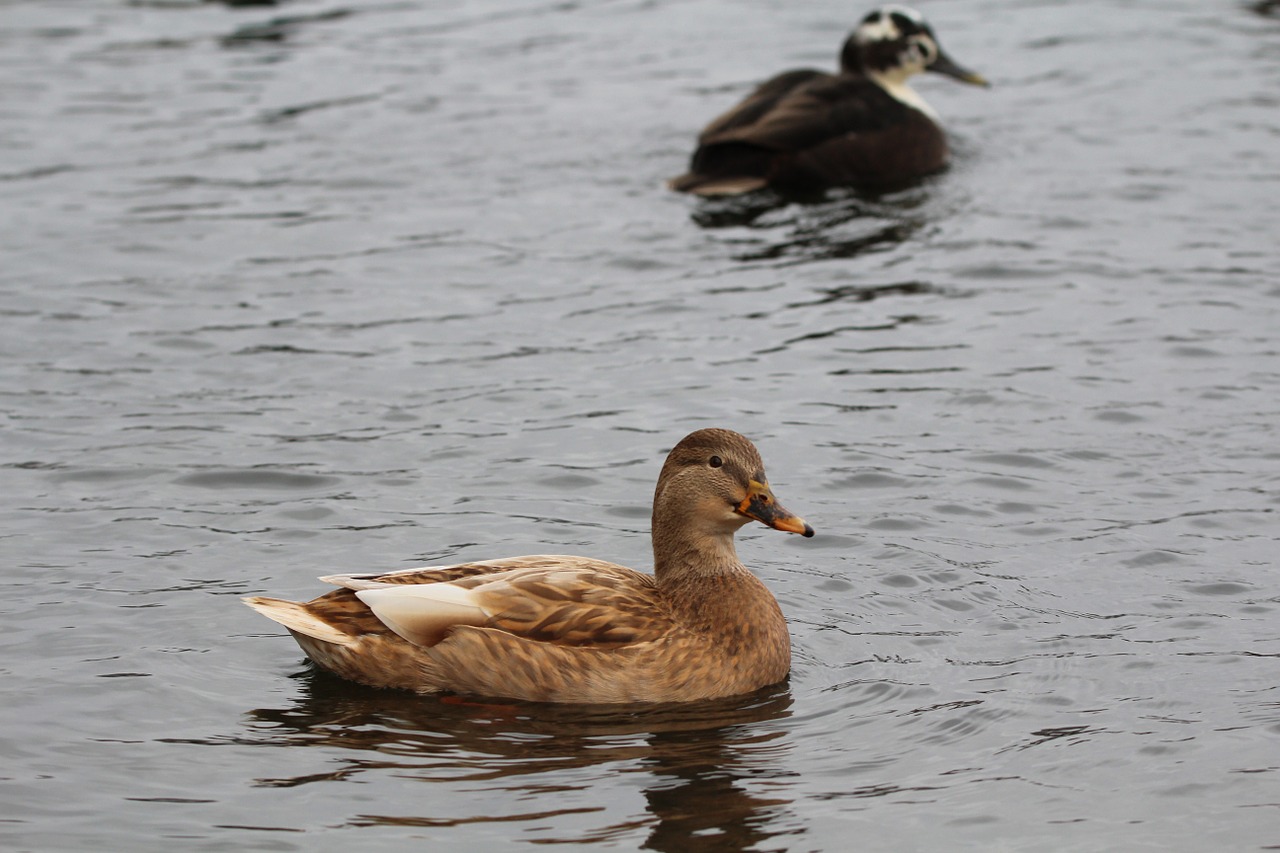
761, 505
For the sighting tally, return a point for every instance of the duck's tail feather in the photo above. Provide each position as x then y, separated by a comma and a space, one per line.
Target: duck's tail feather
296, 617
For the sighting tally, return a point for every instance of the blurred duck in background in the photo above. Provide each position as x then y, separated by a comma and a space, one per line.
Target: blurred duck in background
807, 130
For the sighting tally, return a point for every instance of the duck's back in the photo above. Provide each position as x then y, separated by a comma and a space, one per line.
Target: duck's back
806, 129
761, 102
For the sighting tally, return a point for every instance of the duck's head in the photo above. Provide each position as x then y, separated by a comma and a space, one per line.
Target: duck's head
893, 43
712, 483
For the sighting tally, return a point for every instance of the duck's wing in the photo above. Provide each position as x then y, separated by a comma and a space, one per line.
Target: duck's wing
563, 600
458, 571
816, 110
817, 123
760, 103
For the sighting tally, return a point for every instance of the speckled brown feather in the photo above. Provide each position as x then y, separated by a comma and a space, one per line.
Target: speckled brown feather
574, 629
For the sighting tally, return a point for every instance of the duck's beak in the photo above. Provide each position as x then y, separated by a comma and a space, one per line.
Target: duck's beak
761, 505
948, 66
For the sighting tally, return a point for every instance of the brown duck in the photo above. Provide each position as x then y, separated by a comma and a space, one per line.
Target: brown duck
806, 130
574, 629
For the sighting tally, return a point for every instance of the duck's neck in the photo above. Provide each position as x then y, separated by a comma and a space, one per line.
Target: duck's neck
880, 62
851, 57
894, 81
684, 554
712, 594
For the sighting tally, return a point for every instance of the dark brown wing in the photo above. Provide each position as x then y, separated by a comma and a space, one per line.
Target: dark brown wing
824, 108
759, 103
824, 129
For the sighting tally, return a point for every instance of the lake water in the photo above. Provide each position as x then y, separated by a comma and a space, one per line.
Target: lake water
312, 288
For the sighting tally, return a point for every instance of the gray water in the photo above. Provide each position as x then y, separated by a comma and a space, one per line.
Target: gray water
316, 288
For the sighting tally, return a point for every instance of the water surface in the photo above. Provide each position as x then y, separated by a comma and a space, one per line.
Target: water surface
308, 288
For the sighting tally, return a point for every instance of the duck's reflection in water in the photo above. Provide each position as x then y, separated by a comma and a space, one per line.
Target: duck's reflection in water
840, 224
715, 772
718, 789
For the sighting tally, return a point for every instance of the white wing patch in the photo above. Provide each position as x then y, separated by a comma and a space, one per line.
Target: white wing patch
423, 613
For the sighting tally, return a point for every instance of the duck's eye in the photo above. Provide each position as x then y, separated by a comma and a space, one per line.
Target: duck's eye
715, 461
923, 50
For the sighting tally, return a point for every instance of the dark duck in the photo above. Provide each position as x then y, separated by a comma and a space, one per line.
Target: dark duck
807, 130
